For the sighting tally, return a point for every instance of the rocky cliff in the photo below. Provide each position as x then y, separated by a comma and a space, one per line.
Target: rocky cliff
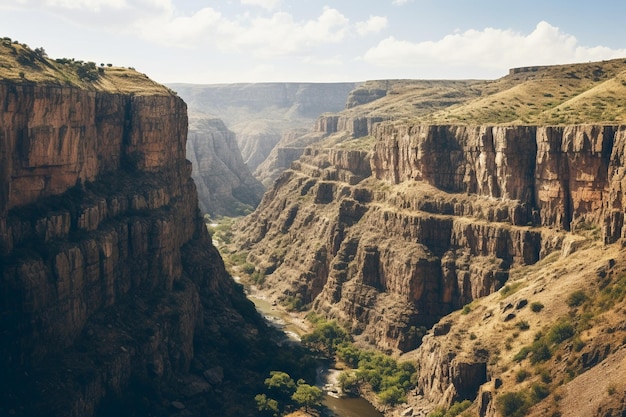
422, 198
225, 184
434, 218
113, 300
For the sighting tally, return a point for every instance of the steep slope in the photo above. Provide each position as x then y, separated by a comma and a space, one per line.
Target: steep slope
225, 185
392, 220
113, 300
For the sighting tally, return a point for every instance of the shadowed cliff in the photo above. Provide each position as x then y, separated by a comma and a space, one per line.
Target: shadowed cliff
113, 300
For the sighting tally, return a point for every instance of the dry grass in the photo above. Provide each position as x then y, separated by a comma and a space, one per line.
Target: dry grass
593, 92
21, 65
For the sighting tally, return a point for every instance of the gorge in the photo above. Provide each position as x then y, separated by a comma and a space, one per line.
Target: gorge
472, 228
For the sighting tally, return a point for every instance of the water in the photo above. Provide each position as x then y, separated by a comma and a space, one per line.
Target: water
338, 407
350, 407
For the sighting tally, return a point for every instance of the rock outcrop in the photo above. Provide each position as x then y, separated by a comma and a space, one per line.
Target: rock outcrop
112, 298
225, 184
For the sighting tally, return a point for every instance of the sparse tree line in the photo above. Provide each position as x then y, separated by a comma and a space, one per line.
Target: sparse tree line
87, 71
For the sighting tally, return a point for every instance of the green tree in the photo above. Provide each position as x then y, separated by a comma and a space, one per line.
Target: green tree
391, 396
308, 396
265, 404
281, 384
326, 336
349, 383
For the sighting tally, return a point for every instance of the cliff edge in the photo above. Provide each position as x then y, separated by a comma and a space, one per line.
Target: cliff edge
112, 298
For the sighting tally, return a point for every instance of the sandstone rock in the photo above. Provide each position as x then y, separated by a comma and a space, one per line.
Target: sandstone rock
225, 184
107, 272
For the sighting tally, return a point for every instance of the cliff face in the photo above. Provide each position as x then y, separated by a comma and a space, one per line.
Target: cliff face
109, 284
431, 219
560, 174
225, 184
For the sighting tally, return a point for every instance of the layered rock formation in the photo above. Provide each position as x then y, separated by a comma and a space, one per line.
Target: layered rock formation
225, 184
112, 298
431, 219
405, 209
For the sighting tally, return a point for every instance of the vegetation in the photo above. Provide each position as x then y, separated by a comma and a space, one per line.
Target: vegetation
20, 63
536, 307
389, 379
576, 298
512, 404
287, 395
510, 289
326, 336
454, 410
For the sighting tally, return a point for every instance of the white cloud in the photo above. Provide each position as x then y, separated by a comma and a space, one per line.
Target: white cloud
401, 2
160, 22
373, 25
266, 4
278, 34
491, 49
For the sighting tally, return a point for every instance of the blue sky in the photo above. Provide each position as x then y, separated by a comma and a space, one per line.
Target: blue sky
207, 42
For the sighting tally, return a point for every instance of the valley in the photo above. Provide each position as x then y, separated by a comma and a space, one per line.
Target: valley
459, 244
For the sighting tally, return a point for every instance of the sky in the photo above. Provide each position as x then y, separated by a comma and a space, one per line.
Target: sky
235, 41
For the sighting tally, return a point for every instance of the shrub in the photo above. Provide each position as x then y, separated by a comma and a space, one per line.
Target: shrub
512, 404
540, 352
560, 332
247, 268
522, 354
521, 375
509, 289
536, 307
539, 391
457, 408
392, 396
308, 396
576, 298
522, 325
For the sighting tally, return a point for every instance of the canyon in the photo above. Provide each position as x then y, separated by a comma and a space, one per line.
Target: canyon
419, 210
474, 228
239, 129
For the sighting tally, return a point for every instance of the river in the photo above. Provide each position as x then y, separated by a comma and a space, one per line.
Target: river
295, 327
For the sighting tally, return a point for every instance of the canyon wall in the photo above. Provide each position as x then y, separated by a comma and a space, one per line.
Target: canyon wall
389, 241
261, 113
112, 296
225, 184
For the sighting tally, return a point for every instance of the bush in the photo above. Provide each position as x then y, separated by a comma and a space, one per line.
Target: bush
560, 332
308, 396
512, 404
392, 396
457, 408
540, 352
521, 375
538, 392
576, 298
536, 307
